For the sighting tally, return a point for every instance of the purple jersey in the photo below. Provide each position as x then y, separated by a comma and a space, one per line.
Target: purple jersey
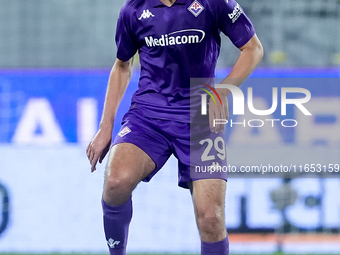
175, 44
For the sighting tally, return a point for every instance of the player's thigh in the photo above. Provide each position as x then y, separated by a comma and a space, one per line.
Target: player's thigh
208, 196
128, 165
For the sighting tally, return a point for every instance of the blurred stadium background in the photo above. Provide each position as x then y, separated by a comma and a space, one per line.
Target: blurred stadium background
55, 58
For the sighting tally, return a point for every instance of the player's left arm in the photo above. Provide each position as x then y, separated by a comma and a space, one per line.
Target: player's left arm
234, 23
251, 54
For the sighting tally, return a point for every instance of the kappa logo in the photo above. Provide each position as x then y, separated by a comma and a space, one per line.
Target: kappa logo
112, 243
124, 131
146, 14
196, 8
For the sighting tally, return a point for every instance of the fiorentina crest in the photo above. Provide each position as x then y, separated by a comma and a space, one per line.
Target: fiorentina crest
196, 8
124, 131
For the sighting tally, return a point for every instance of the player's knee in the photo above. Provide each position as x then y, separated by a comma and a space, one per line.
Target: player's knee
115, 184
117, 188
211, 225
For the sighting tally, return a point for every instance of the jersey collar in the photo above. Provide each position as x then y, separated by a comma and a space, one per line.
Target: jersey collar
158, 3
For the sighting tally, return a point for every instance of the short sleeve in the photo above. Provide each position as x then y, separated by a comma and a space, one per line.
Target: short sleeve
126, 46
233, 22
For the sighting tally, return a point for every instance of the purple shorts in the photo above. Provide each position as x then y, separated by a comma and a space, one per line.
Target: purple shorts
201, 153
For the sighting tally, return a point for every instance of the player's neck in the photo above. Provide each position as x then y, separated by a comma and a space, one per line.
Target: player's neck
168, 3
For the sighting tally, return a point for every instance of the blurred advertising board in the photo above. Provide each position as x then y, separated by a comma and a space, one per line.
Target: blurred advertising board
49, 201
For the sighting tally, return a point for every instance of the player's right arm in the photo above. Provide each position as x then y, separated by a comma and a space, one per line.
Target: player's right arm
118, 81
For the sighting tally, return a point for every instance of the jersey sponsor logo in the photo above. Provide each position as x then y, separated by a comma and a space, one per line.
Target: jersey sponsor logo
146, 14
196, 8
236, 13
124, 131
112, 243
176, 38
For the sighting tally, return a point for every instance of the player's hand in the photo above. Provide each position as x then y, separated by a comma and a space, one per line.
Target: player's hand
98, 147
218, 112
